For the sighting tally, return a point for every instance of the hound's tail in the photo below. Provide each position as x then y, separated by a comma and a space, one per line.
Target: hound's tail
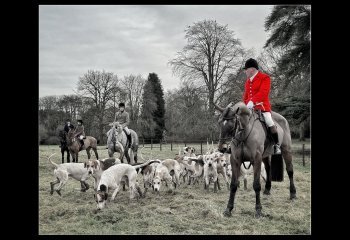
145, 164
55, 164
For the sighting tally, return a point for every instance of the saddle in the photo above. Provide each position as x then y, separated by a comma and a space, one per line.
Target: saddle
269, 140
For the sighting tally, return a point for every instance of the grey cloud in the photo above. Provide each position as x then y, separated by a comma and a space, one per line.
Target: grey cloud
128, 39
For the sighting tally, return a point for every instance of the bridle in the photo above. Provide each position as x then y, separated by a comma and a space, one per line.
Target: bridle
237, 139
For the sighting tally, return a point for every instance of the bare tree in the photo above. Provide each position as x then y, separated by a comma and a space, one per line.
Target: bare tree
99, 87
133, 86
210, 55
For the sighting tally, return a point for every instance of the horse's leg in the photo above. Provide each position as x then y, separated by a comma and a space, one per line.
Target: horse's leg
126, 152
121, 157
233, 186
257, 185
68, 155
95, 151
62, 152
88, 152
132, 160
76, 156
135, 157
289, 167
268, 176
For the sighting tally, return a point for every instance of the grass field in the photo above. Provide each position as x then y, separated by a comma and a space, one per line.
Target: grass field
190, 211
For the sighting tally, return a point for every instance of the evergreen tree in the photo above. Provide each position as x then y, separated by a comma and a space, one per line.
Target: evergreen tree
290, 30
149, 106
158, 114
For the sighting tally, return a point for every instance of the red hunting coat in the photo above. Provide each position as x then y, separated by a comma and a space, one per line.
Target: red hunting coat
258, 92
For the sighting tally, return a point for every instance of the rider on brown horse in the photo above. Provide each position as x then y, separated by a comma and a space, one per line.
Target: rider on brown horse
79, 133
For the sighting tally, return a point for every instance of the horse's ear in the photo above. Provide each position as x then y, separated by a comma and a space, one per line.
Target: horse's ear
237, 110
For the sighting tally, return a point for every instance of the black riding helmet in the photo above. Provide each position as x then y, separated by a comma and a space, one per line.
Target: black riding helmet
81, 121
121, 104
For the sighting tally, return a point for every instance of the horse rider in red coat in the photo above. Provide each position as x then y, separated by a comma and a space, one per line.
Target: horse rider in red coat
256, 96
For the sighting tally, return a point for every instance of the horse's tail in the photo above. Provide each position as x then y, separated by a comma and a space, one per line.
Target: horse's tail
277, 168
55, 164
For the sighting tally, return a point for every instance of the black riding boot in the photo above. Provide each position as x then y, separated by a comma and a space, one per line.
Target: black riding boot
81, 144
274, 134
129, 140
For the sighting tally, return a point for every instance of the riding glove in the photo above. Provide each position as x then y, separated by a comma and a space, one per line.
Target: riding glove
250, 105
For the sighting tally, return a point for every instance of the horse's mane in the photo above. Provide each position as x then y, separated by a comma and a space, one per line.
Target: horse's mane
243, 109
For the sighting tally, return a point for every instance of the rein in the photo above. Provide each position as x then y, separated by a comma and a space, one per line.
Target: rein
237, 141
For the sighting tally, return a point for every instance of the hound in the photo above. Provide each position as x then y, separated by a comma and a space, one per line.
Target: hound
221, 168
210, 173
113, 178
148, 173
96, 167
167, 170
245, 172
189, 151
65, 170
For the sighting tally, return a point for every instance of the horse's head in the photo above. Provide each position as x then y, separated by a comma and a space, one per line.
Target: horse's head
118, 127
232, 119
227, 121
70, 136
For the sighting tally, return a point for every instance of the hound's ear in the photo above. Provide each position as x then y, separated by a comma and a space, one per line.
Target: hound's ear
193, 150
95, 164
106, 196
84, 164
95, 195
200, 157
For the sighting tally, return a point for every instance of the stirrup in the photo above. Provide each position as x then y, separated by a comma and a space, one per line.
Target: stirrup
277, 149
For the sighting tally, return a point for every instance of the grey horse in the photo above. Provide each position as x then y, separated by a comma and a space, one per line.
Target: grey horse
117, 135
249, 144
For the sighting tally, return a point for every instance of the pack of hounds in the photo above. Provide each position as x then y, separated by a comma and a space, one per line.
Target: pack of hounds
110, 175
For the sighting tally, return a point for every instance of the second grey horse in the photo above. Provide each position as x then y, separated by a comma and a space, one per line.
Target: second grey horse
117, 135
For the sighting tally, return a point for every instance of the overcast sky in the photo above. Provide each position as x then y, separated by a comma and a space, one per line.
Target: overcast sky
126, 39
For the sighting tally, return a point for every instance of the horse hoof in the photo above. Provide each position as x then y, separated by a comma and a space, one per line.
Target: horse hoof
59, 192
293, 196
51, 192
258, 214
82, 190
267, 192
227, 213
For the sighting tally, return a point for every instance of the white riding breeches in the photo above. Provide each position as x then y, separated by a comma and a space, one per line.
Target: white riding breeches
268, 119
127, 130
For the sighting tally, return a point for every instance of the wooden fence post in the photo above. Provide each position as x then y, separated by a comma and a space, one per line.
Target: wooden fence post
151, 143
171, 145
303, 154
160, 145
201, 148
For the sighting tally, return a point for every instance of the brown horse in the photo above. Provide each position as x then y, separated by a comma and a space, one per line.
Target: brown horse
249, 142
74, 145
